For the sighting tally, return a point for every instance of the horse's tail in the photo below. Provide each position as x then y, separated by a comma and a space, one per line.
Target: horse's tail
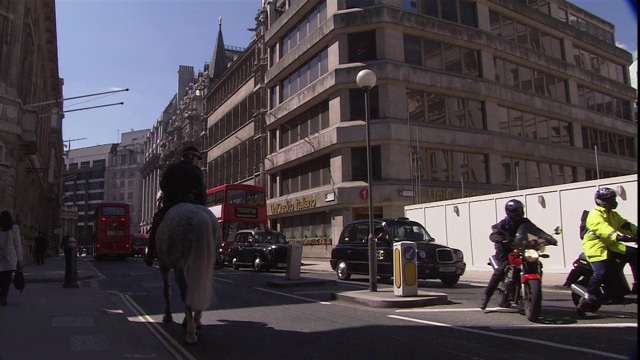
201, 262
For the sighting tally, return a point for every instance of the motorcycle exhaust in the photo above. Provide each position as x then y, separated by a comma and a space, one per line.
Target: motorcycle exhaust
579, 289
493, 261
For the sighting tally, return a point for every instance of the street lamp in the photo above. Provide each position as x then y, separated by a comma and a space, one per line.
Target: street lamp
366, 79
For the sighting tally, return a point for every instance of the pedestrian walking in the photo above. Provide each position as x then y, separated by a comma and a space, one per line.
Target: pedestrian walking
41, 246
10, 253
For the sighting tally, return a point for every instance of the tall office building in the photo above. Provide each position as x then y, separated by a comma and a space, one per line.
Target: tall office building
472, 97
105, 173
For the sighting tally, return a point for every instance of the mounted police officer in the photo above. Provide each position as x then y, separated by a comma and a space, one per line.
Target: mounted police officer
503, 234
180, 182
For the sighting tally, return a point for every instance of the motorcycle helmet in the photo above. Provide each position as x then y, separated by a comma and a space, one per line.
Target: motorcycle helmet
191, 150
514, 209
606, 197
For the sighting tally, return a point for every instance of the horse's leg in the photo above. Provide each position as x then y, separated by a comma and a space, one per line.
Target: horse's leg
191, 337
188, 324
167, 318
197, 318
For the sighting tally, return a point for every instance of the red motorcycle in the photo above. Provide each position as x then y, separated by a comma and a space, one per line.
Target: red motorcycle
522, 283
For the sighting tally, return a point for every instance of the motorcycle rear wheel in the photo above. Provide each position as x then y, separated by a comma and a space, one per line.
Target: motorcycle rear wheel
532, 299
584, 282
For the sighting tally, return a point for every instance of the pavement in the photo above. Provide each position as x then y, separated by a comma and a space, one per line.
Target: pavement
48, 321
91, 318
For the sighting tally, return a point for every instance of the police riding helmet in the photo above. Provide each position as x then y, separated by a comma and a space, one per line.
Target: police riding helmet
514, 209
606, 197
191, 150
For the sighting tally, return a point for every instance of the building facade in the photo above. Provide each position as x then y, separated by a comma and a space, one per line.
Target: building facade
31, 148
124, 183
181, 124
105, 173
472, 98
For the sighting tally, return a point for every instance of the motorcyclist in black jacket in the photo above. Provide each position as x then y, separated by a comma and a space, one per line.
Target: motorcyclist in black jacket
180, 182
503, 234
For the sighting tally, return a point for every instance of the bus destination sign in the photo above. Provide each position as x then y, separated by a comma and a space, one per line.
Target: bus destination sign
246, 212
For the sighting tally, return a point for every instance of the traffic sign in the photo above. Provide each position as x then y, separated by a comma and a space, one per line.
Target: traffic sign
364, 193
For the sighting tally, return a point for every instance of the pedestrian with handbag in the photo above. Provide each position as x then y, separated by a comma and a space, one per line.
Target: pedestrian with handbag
10, 253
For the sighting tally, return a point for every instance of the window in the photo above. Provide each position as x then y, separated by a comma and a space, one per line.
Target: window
449, 10
362, 46
359, 165
452, 59
468, 13
360, 3
452, 166
357, 105
3, 21
432, 54
412, 50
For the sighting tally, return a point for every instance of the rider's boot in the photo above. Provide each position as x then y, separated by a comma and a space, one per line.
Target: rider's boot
494, 281
584, 303
484, 302
488, 292
151, 249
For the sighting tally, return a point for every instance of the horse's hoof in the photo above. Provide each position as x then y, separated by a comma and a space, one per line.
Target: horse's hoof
191, 339
167, 319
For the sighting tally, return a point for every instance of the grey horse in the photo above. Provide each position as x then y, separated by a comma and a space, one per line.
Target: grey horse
188, 240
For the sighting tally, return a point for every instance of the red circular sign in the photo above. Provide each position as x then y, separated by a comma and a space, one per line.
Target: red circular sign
364, 193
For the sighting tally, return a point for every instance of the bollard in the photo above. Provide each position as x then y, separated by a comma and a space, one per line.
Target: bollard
405, 268
70, 269
294, 259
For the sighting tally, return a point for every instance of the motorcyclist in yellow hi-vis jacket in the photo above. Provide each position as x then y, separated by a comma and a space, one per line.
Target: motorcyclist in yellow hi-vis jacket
603, 240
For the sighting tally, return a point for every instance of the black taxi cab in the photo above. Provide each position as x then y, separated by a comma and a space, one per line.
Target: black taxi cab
435, 261
261, 249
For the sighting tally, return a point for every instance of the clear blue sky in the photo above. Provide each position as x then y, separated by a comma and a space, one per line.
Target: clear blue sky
139, 44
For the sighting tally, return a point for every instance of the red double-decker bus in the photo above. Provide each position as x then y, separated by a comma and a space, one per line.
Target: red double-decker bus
237, 207
112, 232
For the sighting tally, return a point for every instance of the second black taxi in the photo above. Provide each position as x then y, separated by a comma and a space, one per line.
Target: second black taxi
435, 261
261, 249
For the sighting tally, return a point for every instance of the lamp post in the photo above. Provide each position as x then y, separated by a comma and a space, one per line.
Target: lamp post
366, 79
517, 175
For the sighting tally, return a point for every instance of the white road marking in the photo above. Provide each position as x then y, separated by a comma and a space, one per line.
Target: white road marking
521, 339
565, 326
423, 310
157, 331
293, 296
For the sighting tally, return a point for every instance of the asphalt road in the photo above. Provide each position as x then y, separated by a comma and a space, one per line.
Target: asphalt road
249, 319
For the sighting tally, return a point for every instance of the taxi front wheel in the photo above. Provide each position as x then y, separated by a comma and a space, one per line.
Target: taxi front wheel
450, 280
342, 271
